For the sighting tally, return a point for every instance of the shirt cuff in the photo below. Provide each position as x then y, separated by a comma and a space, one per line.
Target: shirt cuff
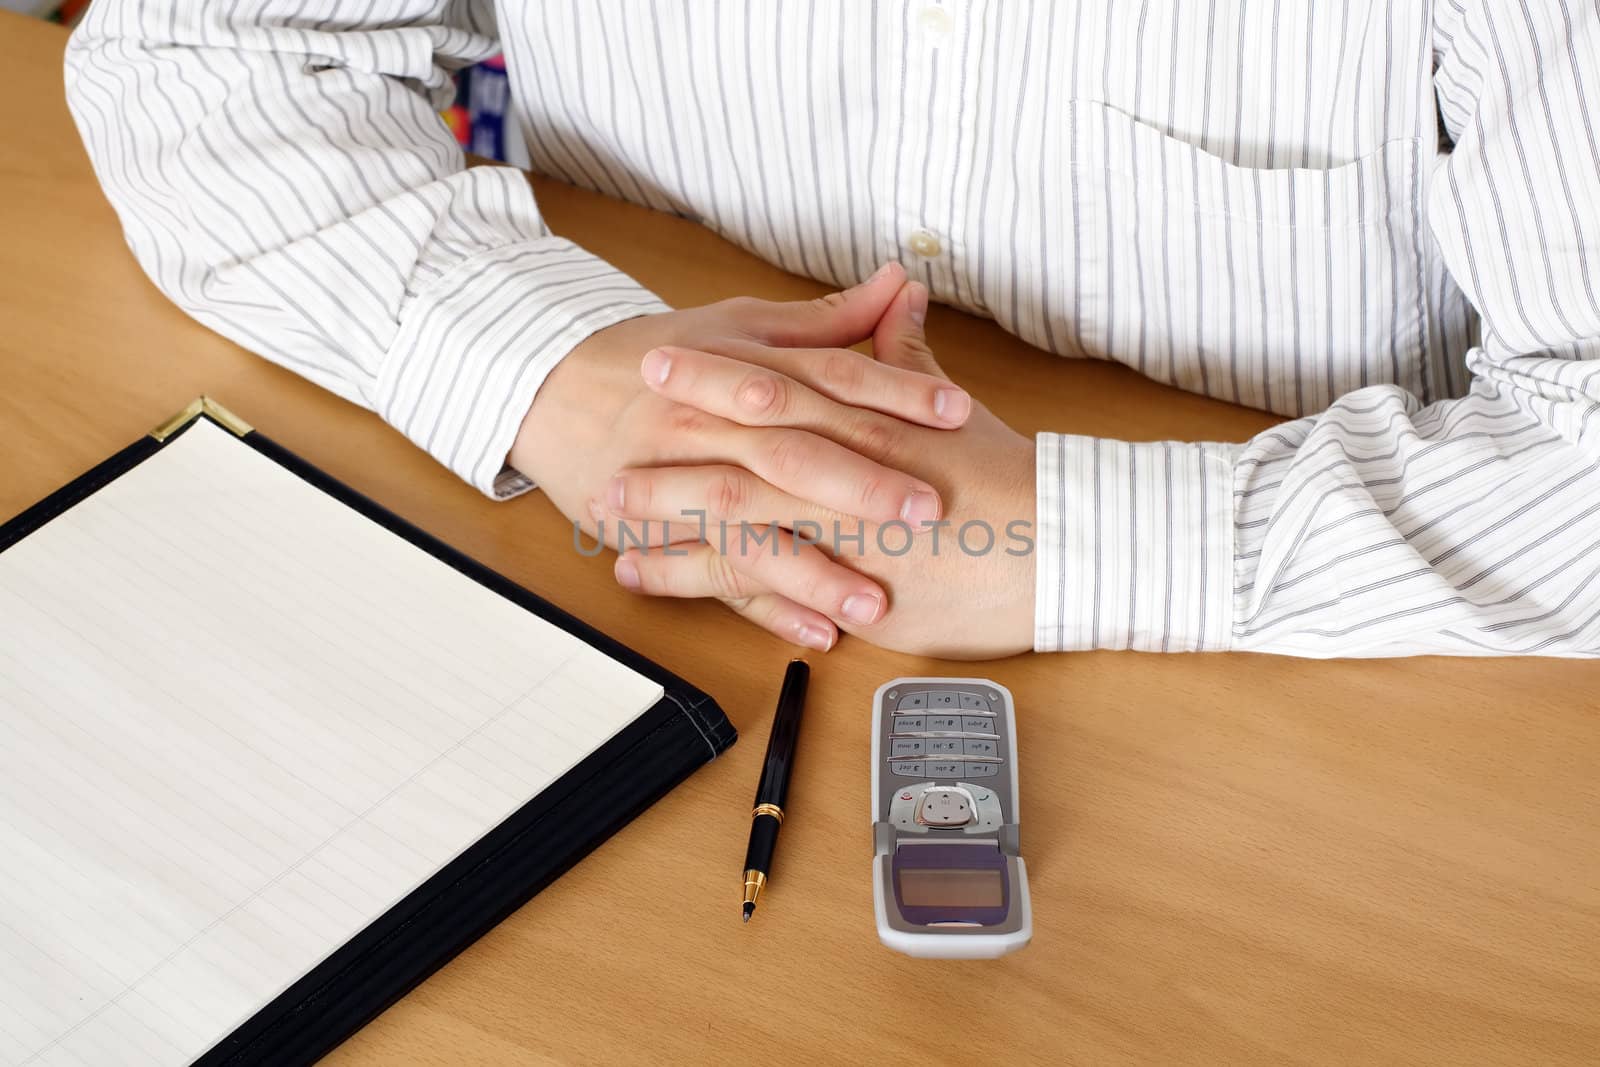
476, 346
1135, 545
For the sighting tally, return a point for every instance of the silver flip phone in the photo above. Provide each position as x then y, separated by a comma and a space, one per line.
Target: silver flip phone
948, 879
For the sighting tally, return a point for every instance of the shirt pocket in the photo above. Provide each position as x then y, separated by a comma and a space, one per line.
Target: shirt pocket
1280, 289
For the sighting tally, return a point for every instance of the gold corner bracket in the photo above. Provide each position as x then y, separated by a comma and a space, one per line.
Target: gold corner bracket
202, 406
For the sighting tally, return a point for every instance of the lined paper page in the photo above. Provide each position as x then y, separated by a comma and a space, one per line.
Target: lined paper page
238, 722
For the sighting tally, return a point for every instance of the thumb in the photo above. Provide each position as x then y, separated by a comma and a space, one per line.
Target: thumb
899, 339
836, 320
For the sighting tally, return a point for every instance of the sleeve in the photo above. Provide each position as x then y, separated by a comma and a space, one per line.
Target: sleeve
1381, 527
282, 174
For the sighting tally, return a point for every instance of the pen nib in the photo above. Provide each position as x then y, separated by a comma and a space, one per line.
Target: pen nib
749, 909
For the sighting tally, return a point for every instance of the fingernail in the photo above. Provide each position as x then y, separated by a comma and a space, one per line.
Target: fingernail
880, 272
615, 494
861, 608
814, 637
657, 365
917, 299
952, 405
920, 507
626, 573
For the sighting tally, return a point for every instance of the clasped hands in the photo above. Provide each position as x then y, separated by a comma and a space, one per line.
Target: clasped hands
809, 487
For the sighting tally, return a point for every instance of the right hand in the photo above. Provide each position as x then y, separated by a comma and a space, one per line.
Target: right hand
595, 415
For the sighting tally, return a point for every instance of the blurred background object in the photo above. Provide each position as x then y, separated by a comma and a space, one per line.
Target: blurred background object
482, 118
67, 11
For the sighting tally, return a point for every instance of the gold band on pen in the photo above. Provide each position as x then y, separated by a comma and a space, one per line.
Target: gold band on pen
768, 809
754, 883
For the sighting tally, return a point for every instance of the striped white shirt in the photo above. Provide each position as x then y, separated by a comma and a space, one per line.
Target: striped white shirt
1380, 218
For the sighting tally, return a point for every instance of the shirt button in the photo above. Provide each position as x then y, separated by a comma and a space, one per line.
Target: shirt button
924, 243
934, 20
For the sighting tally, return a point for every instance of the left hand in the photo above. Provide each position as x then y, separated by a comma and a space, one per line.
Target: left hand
963, 589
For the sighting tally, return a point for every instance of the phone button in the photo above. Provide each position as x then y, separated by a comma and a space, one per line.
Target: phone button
951, 723
903, 809
978, 747
978, 770
977, 724
945, 747
906, 747
973, 702
944, 700
944, 805
910, 724
913, 702
911, 769
944, 769
987, 816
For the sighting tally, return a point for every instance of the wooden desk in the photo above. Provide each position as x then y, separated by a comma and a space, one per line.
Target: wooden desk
1233, 858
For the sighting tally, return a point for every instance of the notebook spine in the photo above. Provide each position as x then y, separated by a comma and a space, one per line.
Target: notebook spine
472, 894
75, 491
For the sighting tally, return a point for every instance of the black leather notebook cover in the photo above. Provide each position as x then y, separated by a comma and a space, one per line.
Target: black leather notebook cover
506, 867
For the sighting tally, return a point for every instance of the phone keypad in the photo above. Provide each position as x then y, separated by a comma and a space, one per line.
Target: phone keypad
952, 736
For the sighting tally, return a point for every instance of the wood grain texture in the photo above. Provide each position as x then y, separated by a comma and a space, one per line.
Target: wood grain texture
1233, 858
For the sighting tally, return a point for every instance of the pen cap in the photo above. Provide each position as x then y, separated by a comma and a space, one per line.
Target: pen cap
775, 770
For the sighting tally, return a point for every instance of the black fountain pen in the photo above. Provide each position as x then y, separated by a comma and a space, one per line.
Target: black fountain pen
774, 788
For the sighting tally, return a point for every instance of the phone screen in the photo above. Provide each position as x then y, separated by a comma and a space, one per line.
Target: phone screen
953, 887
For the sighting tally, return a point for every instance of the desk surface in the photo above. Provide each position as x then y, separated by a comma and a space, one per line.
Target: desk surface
1233, 858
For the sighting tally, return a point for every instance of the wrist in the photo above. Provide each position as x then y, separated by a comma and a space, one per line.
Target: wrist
581, 399
997, 607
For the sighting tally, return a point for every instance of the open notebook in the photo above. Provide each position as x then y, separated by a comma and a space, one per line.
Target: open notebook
269, 756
